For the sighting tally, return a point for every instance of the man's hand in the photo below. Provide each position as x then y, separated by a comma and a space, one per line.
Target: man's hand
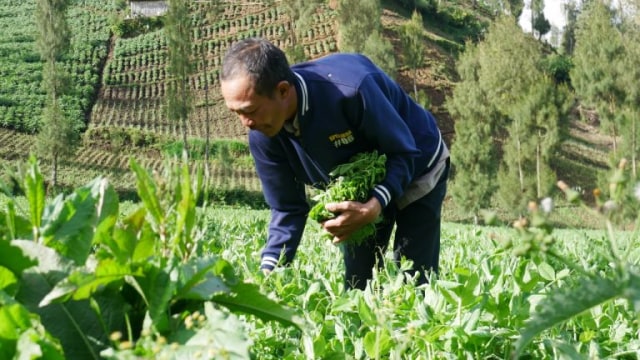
351, 216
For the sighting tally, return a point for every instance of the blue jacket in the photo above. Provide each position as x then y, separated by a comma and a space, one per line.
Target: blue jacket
346, 105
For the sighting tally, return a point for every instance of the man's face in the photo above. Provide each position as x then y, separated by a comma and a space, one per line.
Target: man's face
257, 112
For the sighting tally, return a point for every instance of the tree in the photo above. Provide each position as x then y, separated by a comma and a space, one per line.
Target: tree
360, 31
629, 80
357, 21
473, 153
568, 36
598, 67
300, 14
413, 47
506, 94
178, 31
58, 134
211, 11
380, 51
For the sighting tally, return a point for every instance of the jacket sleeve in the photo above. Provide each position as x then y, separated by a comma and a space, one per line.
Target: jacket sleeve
383, 107
285, 196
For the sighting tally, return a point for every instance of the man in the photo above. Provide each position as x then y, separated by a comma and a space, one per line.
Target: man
305, 120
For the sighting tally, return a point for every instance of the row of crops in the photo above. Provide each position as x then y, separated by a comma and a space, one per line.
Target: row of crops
21, 96
137, 70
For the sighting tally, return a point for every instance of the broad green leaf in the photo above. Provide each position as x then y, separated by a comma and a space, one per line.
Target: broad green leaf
186, 212
247, 298
82, 284
546, 271
35, 193
367, 315
75, 324
148, 192
14, 259
21, 227
564, 303
632, 293
137, 233
377, 343
107, 211
158, 289
68, 225
13, 318
8, 280
222, 336
34, 344
198, 280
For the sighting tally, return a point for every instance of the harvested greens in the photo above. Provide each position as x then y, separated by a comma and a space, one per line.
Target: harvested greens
352, 181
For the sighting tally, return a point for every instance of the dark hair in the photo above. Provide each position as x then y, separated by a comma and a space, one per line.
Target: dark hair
264, 63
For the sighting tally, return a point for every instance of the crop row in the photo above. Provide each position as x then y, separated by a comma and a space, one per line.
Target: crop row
149, 115
156, 72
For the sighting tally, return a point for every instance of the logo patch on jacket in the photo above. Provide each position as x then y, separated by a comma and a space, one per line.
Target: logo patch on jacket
341, 138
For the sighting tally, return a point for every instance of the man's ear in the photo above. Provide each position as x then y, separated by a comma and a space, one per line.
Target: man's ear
283, 88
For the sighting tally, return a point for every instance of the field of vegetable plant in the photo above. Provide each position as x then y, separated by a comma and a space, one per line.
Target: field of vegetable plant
21, 95
88, 276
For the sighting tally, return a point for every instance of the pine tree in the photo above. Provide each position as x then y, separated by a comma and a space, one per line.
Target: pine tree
413, 47
597, 59
178, 31
300, 14
357, 21
59, 132
380, 51
473, 154
360, 31
629, 80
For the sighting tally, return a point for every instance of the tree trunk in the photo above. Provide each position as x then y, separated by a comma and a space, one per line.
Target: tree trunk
538, 167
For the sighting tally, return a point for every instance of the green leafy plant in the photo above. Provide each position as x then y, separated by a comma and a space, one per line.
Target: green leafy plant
352, 181
620, 281
87, 273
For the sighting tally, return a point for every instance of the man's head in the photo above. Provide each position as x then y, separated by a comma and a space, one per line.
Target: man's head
258, 85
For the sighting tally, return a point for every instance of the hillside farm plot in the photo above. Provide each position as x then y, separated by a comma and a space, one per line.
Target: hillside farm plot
135, 78
21, 95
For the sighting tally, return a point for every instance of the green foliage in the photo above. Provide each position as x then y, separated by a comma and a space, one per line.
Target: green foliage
21, 82
413, 47
132, 27
506, 95
558, 66
590, 288
358, 21
352, 181
227, 152
380, 51
473, 153
87, 273
179, 68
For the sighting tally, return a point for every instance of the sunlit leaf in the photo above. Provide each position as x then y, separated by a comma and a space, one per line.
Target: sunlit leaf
564, 303
247, 298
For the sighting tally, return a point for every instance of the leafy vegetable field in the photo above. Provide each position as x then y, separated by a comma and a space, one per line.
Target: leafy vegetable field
87, 276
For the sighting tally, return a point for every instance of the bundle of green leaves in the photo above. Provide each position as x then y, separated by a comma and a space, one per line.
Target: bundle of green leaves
351, 181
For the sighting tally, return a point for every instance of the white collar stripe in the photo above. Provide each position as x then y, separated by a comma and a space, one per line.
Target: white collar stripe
435, 155
305, 94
